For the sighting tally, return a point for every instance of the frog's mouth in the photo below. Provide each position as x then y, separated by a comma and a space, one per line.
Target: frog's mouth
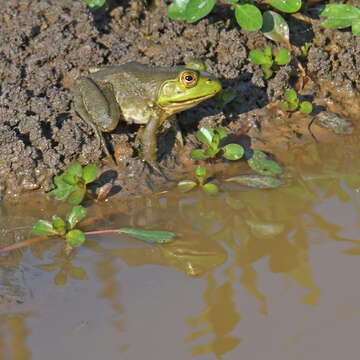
187, 104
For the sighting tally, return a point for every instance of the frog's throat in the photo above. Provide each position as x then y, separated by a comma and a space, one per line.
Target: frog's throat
177, 106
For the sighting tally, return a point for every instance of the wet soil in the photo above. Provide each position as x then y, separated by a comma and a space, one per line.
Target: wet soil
45, 45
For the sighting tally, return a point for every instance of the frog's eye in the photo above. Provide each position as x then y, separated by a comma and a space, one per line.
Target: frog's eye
189, 79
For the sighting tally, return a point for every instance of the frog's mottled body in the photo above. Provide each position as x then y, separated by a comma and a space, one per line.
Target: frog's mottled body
140, 94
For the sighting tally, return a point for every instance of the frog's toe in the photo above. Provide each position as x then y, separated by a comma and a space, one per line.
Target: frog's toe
157, 168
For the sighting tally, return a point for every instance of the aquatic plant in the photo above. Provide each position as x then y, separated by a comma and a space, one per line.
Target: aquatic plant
293, 103
267, 62
212, 140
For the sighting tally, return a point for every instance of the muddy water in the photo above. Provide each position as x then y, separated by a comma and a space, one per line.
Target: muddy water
252, 274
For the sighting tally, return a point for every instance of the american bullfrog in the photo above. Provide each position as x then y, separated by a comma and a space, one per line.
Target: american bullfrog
141, 94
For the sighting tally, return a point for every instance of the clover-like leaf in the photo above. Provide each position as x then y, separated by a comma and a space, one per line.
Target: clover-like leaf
197, 9
283, 57
186, 185
248, 16
77, 273
176, 10
150, 236
59, 225
205, 135
74, 169
89, 173
275, 27
338, 16
292, 97
210, 189
257, 57
200, 174
77, 196
43, 227
287, 6
61, 277
356, 27
306, 107
75, 238
76, 214
233, 152
267, 73
198, 154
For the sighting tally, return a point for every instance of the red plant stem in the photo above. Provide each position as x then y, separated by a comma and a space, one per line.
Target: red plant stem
24, 243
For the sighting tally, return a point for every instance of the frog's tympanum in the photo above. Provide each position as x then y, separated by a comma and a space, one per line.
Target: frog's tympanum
141, 94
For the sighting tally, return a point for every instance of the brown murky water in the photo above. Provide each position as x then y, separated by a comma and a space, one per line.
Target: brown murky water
253, 274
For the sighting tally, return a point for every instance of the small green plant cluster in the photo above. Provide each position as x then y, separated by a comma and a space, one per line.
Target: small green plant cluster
266, 61
97, 6
59, 227
265, 167
293, 103
207, 188
71, 184
212, 140
247, 14
340, 16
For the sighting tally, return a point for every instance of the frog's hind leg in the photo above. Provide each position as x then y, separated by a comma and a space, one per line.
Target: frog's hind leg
99, 107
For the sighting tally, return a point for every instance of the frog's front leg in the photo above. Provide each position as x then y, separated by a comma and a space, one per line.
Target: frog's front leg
149, 145
97, 107
178, 135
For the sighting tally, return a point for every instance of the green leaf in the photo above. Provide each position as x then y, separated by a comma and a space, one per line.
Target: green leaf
275, 27
89, 173
77, 273
268, 52
221, 132
70, 179
261, 163
205, 135
62, 191
198, 155
61, 277
197, 9
257, 57
283, 57
74, 169
75, 237
176, 10
200, 174
209, 153
76, 214
150, 236
338, 16
291, 96
287, 6
248, 16
257, 181
210, 189
233, 152
43, 227
186, 185
356, 27
59, 225
94, 4
267, 73
77, 196
306, 107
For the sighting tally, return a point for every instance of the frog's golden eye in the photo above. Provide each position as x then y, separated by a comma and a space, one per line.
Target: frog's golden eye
189, 79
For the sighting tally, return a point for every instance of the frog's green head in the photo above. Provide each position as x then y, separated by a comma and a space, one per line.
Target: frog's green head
190, 87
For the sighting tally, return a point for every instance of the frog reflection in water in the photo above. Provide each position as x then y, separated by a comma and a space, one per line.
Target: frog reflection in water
141, 94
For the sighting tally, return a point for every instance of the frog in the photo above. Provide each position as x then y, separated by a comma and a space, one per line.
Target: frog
141, 94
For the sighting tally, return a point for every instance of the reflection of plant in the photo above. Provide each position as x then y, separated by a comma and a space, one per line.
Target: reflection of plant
293, 103
66, 268
212, 140
340, 16
71, 184
266, 61
200, 174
